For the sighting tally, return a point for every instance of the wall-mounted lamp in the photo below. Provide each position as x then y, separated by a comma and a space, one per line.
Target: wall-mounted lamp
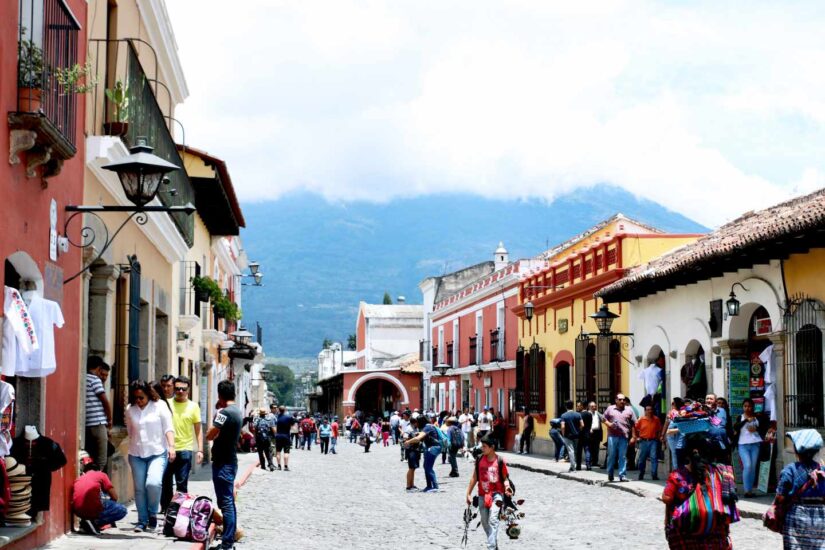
732, 304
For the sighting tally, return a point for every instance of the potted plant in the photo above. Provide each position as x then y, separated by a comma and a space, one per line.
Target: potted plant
77, 79
225, 308
30, 71
205, 288
119, 99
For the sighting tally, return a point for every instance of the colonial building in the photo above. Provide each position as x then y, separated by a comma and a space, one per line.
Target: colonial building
41, 136
474, 336
744, 306
386, 375
560, 355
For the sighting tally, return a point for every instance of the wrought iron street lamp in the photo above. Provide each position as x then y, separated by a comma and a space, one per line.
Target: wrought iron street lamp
443, 368
733, 304
254, 267
479, 372
528, 310
141, 174
604, 319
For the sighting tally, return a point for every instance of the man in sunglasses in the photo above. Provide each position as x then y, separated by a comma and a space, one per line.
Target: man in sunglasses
619, 420
186, 419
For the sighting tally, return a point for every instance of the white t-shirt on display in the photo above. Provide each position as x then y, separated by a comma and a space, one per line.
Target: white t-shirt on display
19, 336
46, 315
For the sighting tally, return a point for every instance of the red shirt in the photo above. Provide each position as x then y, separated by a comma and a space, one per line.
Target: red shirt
335, 429
490, 480
86, 494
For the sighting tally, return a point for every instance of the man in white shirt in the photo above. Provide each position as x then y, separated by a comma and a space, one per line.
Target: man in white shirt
395, 421
466, 423
485, 423
405, 428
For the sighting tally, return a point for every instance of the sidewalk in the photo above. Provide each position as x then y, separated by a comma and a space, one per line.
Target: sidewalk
123, 536
748, 508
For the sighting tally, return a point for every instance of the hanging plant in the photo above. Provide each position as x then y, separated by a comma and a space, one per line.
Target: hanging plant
224, 308
206, 289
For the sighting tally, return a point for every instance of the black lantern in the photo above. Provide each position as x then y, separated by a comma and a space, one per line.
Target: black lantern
528, 310
604, 319
442, 368
242, 337
479, 372
141, 173
732, 304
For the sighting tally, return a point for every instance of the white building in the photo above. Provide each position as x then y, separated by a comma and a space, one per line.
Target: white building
332, 360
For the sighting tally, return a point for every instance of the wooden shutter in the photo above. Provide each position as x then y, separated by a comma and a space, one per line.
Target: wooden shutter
581, 369
603, 396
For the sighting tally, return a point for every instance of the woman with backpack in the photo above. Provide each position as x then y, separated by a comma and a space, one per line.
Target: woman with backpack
692, 523
799, 508
429, 436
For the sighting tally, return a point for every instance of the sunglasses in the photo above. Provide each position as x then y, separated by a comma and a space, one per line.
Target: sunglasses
179, 389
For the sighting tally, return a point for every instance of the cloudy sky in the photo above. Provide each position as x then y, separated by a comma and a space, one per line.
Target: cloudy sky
709, 110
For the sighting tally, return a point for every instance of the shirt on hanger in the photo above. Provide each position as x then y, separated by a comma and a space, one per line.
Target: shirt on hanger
45, 315
19, 336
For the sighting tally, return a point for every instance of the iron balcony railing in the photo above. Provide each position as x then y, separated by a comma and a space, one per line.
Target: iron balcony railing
47, 39
131, 110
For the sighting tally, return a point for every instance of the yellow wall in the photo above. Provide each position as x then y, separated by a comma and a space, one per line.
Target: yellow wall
804, 274
635, 251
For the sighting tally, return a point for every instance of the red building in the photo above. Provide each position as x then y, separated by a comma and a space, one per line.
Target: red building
474, 334
43, 135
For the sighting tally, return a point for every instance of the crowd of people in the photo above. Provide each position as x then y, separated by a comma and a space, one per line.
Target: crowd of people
165, 437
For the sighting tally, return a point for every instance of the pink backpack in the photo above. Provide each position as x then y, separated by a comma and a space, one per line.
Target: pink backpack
188, 517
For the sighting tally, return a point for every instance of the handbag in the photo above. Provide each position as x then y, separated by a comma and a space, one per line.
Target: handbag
774, 517
705, 510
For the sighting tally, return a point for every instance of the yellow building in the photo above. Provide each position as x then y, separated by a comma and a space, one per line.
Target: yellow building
555, 362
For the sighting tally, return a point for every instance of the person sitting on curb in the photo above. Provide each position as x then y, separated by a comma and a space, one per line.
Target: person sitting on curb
89, 500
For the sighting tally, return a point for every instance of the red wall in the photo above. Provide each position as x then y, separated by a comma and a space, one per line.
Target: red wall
24, 226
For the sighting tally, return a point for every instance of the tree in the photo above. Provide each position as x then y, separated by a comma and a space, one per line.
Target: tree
280, 380
351, 342
327, 343
387, 299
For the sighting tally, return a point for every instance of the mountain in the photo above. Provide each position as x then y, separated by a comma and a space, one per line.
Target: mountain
320, 259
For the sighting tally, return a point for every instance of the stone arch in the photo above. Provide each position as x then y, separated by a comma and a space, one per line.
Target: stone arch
26, 267
379, 376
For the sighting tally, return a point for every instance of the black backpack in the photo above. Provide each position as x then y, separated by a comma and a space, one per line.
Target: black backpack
456, 437
500, 469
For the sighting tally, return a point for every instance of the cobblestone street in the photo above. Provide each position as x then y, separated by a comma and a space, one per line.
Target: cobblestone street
357, 500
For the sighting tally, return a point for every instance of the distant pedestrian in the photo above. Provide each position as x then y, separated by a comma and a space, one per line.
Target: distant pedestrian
583, 443
385, 432
596, 434
456, 437
648, 430
619, 419
294, 433
225, 430
485, 423
671, 435
526, 434
406, 429
412, 451
571, 425
308, 432
98, 411
428, 436
800, 493
335, 433
284, 426
324, 435
395, 421
493, 479
264, 432
748, 433
466, 422
555, 435
355, 430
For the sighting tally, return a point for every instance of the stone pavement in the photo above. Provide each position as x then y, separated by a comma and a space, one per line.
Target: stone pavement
750, 508
122, 536
357, 500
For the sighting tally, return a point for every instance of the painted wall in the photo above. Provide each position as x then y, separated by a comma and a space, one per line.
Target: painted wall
803, 274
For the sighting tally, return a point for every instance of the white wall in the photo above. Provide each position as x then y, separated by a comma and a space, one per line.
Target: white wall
674, 318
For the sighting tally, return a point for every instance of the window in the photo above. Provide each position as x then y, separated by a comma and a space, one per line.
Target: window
805, 377
479, 342
500, 407
534, 380
488, 402
440, 358
478, 400
456, 352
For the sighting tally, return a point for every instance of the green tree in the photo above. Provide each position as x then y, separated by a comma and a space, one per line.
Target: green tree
387, 299
351, 342
280, 380
327, 343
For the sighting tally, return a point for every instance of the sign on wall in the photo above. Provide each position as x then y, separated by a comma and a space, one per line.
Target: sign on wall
739, 384
562, 326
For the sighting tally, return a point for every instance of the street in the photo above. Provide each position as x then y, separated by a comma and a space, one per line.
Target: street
357, 500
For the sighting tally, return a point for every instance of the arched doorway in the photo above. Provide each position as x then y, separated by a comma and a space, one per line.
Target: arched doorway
562, 384
695, 380
377, 396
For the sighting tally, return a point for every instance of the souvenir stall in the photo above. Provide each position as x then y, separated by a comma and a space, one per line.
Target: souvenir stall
28, 355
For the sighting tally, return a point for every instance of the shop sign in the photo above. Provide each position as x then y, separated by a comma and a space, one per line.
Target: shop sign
762, 326
488, 382
738, 384
562, 326
53, 283
53, 231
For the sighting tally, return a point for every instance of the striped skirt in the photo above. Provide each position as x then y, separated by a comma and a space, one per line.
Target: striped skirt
804, 527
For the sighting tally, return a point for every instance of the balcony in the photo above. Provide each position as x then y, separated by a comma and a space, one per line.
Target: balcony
125, 104
44, 126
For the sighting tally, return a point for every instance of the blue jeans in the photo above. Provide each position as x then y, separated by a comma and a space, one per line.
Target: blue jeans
648, 448
112, 511
179, 471
223, 478
616, 448
673, 446
147, 474
561, 450
333, 442
429, 462
749, 453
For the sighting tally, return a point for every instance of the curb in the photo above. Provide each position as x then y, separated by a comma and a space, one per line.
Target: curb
749, 514
238, 484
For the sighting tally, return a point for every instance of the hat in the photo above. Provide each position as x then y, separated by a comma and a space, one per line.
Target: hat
807, 440
20, 480
14, 468
452, 419
486, 408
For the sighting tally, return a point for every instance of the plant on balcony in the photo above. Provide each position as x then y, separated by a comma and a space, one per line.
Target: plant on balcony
224, 308
119, 99
30, 69
206, 289
77, 79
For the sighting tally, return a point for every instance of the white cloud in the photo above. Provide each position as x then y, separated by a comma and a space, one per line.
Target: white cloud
709, 110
